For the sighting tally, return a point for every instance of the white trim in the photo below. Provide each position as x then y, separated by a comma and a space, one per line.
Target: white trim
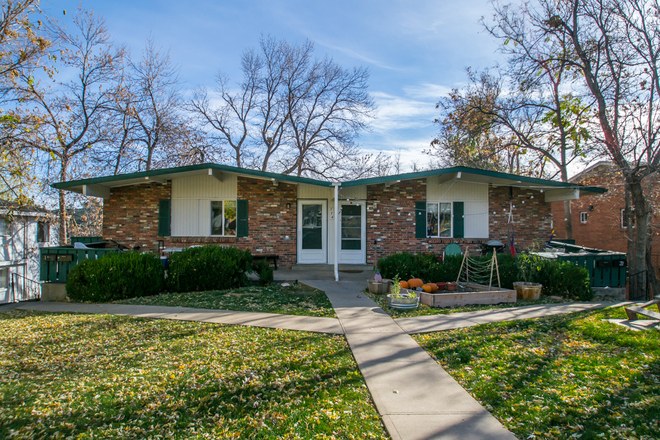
313, 256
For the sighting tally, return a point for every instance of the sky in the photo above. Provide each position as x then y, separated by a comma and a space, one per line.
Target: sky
415, 50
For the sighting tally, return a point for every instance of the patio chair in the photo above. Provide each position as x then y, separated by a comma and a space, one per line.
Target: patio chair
452, 250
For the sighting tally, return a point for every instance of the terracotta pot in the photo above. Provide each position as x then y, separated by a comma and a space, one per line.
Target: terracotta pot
527, 290
451, 286
441, 286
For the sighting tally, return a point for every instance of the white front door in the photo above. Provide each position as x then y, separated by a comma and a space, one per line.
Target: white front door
353, 244
312, 232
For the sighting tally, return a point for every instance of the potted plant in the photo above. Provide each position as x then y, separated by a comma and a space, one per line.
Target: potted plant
526, 289
451, 286
402, 300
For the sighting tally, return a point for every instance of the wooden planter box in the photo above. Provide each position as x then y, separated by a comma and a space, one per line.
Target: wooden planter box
470, 294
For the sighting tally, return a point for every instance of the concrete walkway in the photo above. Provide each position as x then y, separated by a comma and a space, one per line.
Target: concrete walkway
415, 396
267, 320
436, 323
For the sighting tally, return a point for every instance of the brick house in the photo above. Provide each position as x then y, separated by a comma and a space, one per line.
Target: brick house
296, 217
597, 218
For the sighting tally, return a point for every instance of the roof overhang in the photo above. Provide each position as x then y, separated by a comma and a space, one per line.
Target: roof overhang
556, 190
100, 186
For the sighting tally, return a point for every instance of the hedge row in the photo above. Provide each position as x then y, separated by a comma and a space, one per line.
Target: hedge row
558, 278
130, 274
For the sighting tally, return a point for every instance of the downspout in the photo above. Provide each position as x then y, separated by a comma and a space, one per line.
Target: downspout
336, 185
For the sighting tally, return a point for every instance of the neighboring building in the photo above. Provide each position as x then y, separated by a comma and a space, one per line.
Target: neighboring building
598, 220
295, 218
28, 229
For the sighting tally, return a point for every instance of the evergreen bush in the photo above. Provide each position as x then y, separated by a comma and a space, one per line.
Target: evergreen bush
208, 268
265, 272
116, 276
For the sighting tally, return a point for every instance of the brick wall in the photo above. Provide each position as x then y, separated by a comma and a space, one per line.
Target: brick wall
269, 219
130, 217
532, 216
603, 227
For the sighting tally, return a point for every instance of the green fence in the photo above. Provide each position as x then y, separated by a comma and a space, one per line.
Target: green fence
56, 262
606, 269
85, 240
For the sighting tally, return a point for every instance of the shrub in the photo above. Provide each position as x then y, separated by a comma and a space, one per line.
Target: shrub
407, 265
565, 279
116, 276
208, 268
265, 272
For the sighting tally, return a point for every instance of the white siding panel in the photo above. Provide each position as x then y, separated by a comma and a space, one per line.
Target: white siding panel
455, 190
185, 217
205, 187
306, 191
476, 219
204, 221
353, 192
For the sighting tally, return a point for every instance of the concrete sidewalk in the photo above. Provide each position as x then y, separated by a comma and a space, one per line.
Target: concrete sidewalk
415, 396
267, 320
436, 323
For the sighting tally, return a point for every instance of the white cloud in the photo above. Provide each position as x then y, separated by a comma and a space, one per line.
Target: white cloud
427, 91
399, 112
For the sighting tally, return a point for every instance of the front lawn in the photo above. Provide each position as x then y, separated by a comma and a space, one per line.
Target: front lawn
92, 376
298, 299
568, 376
426, 310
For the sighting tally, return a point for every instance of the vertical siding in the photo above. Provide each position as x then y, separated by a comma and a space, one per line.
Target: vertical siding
306, 191
353, 192
185, 217
475, 197
205, 187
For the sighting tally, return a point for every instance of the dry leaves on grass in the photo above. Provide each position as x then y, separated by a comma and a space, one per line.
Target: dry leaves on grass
94, 376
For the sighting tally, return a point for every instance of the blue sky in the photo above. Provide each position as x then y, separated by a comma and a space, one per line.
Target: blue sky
415, 50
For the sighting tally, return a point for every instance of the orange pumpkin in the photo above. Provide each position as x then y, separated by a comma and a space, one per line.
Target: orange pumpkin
430, 288
403, 284
415, 282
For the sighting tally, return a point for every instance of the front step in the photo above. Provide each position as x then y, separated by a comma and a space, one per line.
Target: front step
331, 267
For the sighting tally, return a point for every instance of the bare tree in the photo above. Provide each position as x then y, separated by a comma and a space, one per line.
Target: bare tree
614, 46
74, 112
291, 113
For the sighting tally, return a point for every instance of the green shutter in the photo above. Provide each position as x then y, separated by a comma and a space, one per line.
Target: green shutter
420, 219
459, 221
164, 217
242, 218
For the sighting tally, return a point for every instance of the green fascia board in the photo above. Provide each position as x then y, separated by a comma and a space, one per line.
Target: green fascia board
245, 171
467, 170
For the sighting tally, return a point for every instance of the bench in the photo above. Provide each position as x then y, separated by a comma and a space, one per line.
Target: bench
633, 311
267, 257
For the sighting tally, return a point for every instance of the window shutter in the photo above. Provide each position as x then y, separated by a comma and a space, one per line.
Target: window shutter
241, 218
459, 221
420, 219
164, 217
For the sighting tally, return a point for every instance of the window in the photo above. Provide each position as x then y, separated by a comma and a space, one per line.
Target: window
583, 217
624, 224
4, 279
43, 232
223, 218
438, 220
351, 227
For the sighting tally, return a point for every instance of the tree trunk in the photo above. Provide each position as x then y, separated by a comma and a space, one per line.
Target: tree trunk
62, 201
637, 260
568, 220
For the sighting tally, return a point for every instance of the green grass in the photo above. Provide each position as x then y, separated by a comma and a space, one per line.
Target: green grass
297, 299
424, 310
97, 376
569, 376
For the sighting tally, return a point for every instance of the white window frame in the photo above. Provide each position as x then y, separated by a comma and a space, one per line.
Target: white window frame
623, 223
451, 219
223, 201
583, 216
46, 229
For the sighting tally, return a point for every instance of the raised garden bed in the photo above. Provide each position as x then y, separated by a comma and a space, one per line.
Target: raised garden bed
468, 293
